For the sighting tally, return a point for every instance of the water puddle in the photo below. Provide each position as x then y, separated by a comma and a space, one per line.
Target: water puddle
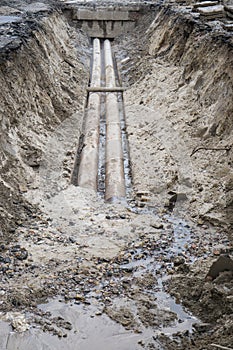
89, 331
170, 249
156, 262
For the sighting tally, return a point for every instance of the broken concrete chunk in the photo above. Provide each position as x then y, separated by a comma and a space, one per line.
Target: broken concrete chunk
224, 263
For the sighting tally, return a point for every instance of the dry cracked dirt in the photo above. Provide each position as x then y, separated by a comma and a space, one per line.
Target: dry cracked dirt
80, 273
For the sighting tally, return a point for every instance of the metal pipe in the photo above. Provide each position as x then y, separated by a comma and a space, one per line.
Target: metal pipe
106, 89
88, 167
115, 180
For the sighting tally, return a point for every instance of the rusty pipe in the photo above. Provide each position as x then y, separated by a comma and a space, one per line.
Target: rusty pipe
88, 166
114, 180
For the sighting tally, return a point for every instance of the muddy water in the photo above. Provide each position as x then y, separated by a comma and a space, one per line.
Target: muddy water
94, 326
171, 247
89, 332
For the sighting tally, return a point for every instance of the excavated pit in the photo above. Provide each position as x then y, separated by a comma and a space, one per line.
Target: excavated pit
129, 274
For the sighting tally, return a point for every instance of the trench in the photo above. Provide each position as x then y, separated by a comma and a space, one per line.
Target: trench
100, 260
104, 167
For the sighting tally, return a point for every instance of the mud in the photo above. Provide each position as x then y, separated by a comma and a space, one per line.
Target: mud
130, 275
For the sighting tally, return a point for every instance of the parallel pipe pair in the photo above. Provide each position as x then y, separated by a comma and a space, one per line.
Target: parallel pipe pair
88, 168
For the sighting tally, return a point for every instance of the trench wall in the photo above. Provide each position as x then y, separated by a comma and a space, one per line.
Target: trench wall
202, 101
207, 60
42, 84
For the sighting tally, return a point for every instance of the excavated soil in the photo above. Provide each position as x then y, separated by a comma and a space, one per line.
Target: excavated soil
77, 272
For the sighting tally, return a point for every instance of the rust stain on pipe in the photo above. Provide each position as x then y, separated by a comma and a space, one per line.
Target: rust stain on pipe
115, 180
88, 168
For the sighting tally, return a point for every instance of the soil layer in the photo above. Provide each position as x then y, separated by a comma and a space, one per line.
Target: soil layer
140, 266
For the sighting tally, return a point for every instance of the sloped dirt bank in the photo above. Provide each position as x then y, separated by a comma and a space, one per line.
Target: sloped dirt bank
180, 78
109, 264
41, 85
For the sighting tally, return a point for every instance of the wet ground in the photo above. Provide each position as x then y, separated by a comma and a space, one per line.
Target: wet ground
110, 272
82, 273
